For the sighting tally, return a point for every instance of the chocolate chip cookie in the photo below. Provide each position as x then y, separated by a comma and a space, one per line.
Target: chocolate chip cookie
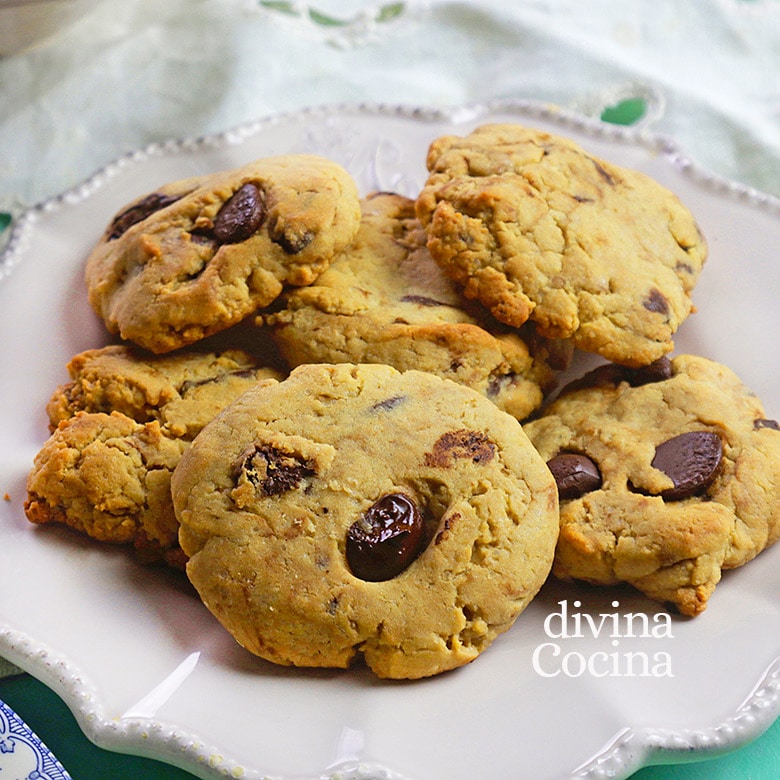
667, 474
199, 255
119, 428
384, 300
354, 510
536, 228
183, 391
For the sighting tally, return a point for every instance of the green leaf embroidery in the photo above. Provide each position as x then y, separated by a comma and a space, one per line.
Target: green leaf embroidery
385, 13
626, 112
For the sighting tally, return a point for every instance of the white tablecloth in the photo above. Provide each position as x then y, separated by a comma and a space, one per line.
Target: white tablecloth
132, 72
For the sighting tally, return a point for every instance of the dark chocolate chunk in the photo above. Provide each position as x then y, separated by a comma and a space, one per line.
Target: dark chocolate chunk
691, 460
657, 371
139, 212
575, 474
758, 424
604, 173
388, 403
272, 471
454, 445
293, 243
656, 302
241, 215
386, 539
422, 300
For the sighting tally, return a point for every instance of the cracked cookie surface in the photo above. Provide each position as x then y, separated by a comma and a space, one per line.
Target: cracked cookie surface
356, 511
536, 228
199, 255
670, 474
384, 300
118, 429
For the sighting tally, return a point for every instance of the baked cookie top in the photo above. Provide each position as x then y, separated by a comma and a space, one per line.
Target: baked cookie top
118, 429
668, 474
536, 228
199, 255
384, 300
108, 477
357, 510
183, 391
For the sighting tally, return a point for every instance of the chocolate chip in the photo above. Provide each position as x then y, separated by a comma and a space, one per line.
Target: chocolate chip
388, 403
465, 444
422, 300
272, 471
386, 539
241, 215
758, 424
691, 460
604, 173
292, 243
657, 371
656, 302
575, 474
139, 212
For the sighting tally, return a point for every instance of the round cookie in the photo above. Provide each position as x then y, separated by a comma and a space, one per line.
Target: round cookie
119, 428
354, 510
199, 255
536, 228
668, 474
384, 300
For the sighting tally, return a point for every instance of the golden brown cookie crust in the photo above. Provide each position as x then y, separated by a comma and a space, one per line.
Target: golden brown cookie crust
118, 429
536, 228
384, 300
171, 269
268, 491
624, 530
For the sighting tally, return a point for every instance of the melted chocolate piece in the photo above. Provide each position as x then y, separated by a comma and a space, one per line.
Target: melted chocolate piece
575, 474
138, 213
271, 471
656, 302
422, 300
612, 374
386, 539
388, 403
657, 371
773, 424
450, 446
691, 460
240, 216
292, 243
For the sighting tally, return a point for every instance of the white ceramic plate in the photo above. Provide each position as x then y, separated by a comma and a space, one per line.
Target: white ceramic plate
147, 670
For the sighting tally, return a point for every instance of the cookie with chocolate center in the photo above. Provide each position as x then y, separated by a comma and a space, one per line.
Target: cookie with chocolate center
356, 511
199, 255
667, 475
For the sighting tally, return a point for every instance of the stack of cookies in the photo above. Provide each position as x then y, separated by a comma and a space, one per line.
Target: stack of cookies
394, 483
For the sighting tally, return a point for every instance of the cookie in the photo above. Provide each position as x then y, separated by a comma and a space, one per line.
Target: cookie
536, 228
119, 428
182, 391
385, 301
357, 511
199, 255
109, 477
668, 474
